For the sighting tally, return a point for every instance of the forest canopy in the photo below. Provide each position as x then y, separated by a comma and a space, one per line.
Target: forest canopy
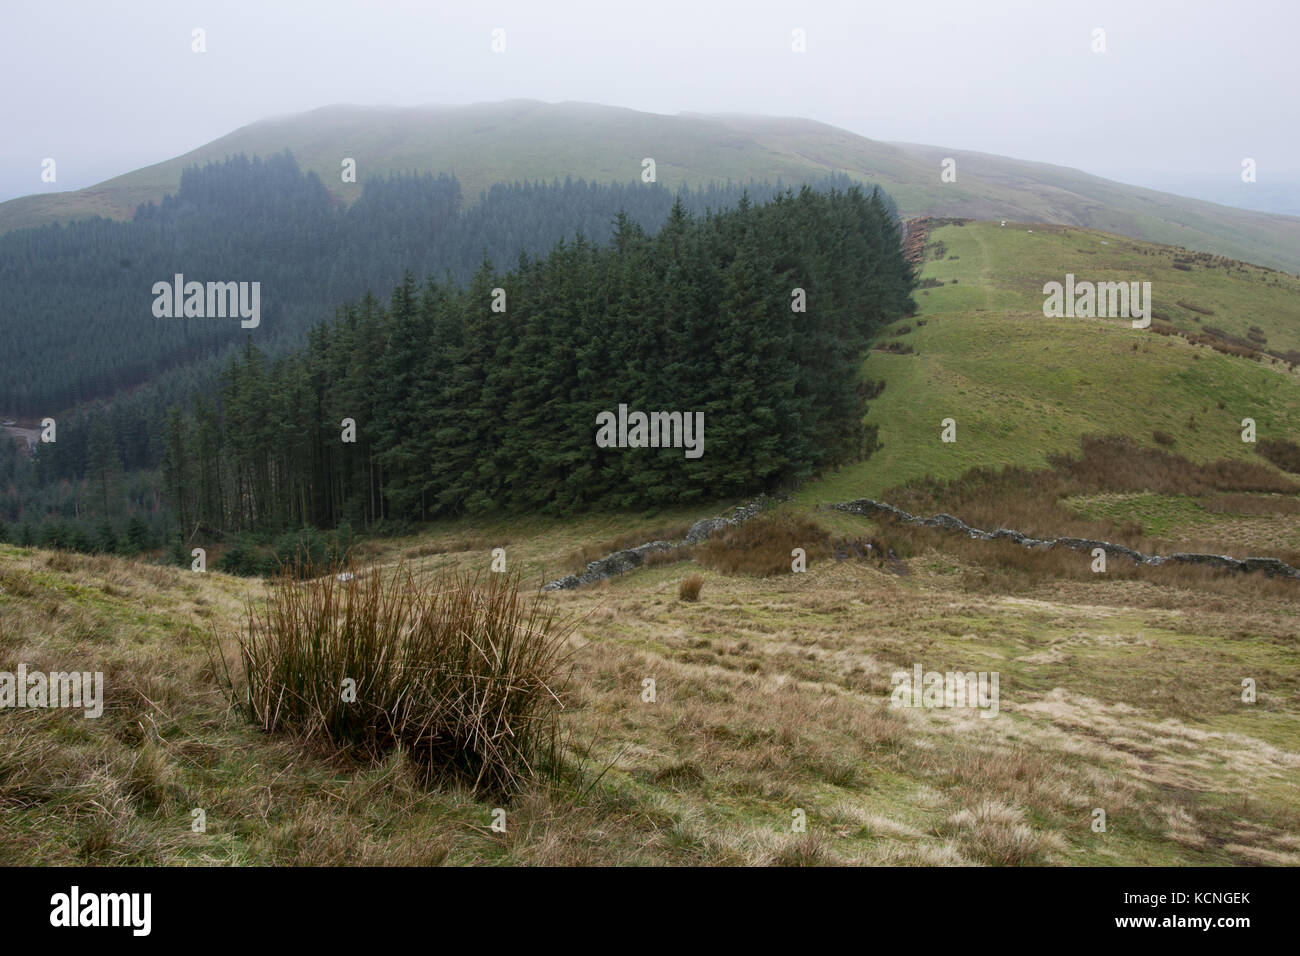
618, 294
486, 397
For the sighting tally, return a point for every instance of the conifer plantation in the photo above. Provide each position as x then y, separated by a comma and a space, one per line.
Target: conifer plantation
462, 409
101, 488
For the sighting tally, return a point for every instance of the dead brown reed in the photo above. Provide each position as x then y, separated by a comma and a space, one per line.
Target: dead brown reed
461, 672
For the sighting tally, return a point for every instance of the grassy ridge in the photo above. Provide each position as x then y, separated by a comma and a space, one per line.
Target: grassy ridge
526, 139
1022, 387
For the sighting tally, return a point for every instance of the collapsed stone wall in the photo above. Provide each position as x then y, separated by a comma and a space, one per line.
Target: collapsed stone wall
620, 562
1270, 566
629, 559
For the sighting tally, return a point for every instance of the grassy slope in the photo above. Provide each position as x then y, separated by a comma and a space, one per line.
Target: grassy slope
1021, 386
525, 139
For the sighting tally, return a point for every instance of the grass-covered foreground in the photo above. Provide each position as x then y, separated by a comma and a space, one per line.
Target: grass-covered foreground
771, 695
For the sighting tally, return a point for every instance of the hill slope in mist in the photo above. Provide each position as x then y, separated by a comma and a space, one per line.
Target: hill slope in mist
528, 140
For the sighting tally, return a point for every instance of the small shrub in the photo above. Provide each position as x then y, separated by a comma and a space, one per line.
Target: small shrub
689, 589
1163, 438
460, 672
243, 557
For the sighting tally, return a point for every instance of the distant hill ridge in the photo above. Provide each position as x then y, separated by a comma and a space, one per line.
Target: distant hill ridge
528, 140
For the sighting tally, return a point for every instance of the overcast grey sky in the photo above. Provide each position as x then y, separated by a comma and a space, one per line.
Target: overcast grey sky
1185, 89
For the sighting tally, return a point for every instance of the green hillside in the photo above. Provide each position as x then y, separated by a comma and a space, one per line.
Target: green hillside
528, 140
1021, 387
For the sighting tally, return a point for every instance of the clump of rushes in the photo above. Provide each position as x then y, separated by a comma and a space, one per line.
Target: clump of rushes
689, 589
460, 671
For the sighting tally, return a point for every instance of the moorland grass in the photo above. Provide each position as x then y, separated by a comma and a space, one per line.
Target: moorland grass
459, 671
